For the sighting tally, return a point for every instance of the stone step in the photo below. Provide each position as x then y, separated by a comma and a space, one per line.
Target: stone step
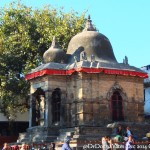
23, 136
64, 135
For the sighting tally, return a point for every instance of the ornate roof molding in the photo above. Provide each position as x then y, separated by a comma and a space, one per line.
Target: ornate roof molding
116, 87
89, 26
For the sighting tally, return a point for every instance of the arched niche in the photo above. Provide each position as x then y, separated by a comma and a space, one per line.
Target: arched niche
117, 98
38, 107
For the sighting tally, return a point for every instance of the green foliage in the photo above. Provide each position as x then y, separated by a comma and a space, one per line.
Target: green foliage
25, 34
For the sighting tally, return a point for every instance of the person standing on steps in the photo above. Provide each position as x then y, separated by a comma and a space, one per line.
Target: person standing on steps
66, 145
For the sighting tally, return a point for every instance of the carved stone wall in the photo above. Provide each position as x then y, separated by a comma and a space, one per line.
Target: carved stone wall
91, 98
86, 98
86, 103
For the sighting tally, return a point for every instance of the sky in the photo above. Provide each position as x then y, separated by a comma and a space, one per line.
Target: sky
126, 23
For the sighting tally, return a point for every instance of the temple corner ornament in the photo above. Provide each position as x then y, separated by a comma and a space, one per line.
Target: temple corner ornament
116, 87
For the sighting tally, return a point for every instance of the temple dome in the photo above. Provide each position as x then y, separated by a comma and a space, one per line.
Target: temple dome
54, 53
92, 43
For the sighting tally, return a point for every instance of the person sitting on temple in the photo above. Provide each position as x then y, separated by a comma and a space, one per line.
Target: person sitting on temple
66, 145
130, 133
120, 133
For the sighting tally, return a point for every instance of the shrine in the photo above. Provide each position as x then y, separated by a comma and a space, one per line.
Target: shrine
79, 93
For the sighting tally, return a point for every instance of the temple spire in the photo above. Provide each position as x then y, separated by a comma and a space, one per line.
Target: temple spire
54, 43
89, 26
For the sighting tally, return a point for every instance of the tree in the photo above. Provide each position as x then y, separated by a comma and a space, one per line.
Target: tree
25, 34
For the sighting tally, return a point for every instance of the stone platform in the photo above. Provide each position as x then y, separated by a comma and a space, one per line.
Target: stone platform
39, 134
80, 136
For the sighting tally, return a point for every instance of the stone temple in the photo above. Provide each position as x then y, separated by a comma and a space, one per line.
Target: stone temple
83, 92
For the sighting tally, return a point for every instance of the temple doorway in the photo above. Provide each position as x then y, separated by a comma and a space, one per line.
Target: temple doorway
117, 107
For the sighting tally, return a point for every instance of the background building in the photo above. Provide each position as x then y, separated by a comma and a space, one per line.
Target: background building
147, 91
20, 124
9, 131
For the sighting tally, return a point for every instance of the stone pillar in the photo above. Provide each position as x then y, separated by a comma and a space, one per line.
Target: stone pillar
74, 116
42, 110
30, 112
48, 109
62, 109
